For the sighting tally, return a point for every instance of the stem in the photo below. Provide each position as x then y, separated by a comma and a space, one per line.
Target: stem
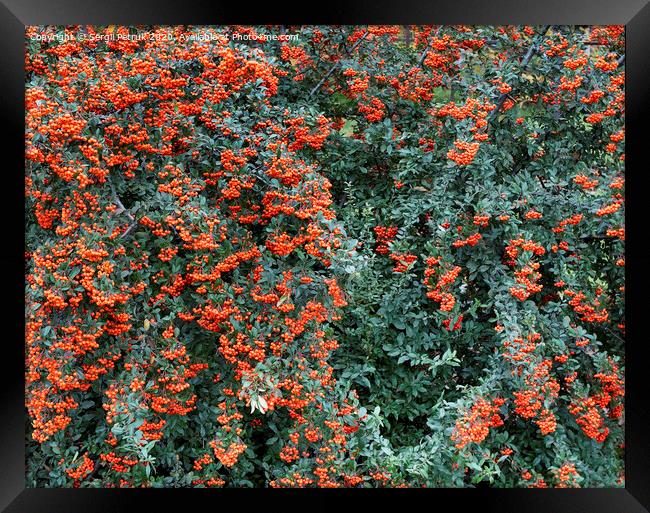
119, 203
529, 55
336, 64
426, 49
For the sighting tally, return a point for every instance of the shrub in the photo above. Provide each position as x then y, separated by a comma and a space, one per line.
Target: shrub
371, 256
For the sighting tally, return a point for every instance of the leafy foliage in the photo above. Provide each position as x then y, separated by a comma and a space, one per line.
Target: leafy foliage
368, 256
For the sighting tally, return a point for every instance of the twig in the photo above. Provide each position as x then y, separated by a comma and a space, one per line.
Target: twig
336, 64
423, 56
407, 35
131, 226
123, 208
613, 334
529, 55
345, 47
119, 203
426, 48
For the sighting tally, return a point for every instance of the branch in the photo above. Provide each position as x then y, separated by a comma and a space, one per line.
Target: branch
407, 35
529, 55
336, 64
614, 334
424, 55
118, 202
345, 47
131, 226
426, 48
122, 209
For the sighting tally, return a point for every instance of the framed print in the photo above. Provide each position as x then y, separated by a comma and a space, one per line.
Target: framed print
392, 251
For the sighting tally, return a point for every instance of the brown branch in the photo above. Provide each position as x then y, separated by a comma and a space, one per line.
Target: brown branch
336, 64
424, 55
122, 209
407, 34
529, 55
118, 202
126, 232
426, 48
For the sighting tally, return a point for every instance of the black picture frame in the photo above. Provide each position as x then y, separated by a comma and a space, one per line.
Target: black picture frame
16, 14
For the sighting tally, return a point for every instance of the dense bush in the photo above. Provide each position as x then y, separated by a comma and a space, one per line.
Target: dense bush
368, 256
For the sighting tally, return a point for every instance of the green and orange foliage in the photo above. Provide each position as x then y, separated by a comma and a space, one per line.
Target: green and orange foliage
181, 275
365, 256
